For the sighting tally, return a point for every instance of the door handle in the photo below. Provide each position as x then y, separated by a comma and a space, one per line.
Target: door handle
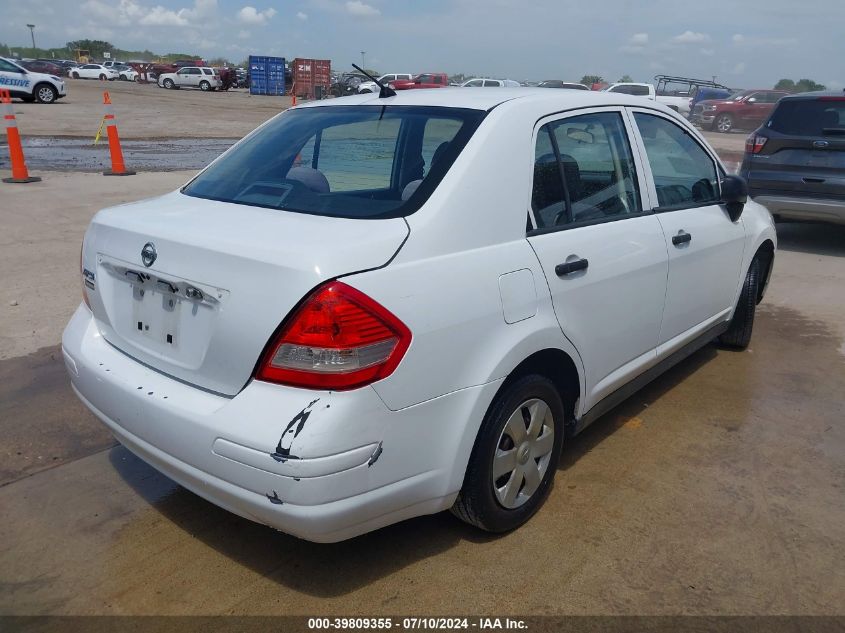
681, 238
570, 267
813, 181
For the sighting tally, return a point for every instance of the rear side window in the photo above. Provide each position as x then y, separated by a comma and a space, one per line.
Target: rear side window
809, 117
342, 161
583, 171
684, 174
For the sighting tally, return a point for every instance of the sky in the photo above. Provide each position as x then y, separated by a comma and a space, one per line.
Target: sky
744, 43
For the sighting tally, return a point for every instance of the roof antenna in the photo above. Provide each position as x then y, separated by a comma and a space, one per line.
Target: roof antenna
384, 90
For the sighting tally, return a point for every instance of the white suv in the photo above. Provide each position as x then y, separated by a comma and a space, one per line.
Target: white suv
372, 309
29, 86
191, 77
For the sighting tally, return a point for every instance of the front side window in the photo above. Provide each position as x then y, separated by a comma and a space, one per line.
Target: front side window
684, 173
584, 171
475, 83
424, 79
7, 67
491, 83
342, 161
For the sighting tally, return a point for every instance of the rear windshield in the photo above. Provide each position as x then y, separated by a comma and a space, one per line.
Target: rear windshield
342, 161
809, 117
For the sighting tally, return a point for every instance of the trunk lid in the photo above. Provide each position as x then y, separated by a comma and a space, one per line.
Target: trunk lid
223, 278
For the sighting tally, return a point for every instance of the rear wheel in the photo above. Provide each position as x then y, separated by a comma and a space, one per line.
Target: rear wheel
75, 75
738, 335
723, 123
515, 456
45, 93
205, 86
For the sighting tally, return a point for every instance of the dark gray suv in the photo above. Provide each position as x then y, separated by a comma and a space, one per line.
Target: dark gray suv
795, 162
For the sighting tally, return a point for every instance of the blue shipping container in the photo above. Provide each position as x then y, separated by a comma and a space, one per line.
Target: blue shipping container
266, 75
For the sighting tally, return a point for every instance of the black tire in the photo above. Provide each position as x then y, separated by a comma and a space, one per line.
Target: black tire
75, 75
102, 77
123, 78
168, 83
45, 93
205, 86
478, 503
738, 335
723, 123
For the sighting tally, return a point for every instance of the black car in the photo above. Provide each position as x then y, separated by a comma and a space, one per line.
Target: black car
347, 84
795, 162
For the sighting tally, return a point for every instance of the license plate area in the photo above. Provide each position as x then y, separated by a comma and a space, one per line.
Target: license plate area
155, 313
168, 317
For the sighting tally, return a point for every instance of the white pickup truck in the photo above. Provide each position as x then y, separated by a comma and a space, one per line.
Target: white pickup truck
678, 104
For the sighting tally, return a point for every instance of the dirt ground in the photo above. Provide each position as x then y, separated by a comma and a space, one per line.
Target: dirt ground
716, 490
147, 111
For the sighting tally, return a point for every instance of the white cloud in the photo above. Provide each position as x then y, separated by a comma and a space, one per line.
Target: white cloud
130, 12
356, 7
244, 34
633, 50
302, 16
639, 38
739, 68
738, 38
691, 37
251, 15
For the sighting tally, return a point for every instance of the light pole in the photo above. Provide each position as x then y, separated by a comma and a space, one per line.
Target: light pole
32, 33
363, 65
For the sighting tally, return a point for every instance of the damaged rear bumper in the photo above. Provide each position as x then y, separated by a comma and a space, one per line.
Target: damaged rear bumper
323, 466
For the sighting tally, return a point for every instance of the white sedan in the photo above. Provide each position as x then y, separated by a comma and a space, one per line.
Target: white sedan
126, 73
94, 71
376, 308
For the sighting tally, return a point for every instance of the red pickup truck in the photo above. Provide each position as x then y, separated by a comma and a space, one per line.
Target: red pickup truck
423, 80
746, 110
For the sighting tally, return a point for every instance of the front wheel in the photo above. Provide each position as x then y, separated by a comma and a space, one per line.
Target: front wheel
102, 77
723, 123
205, 86
45, 93
515, 456
738, 334
75, 75
168, 83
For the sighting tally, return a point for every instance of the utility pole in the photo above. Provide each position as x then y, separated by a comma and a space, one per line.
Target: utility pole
32, 33
363, 65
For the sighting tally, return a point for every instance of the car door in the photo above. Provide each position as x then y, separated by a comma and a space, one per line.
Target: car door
705, 247
13, 78
600, 247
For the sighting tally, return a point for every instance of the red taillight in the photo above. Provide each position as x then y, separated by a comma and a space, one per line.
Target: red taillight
337, 339
754, 143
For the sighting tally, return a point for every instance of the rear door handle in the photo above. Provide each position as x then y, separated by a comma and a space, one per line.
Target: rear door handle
813, 181
571, 267
681, 238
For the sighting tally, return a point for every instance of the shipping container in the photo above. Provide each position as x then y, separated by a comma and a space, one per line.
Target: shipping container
311, 77
266, 75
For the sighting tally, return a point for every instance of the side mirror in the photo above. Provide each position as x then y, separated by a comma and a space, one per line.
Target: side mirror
734, 195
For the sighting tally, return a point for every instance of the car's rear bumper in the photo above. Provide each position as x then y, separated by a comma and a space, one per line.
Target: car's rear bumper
798, 208
353, 466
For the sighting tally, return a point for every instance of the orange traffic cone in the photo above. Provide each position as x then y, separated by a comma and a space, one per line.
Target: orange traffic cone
19, 171
117, 166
